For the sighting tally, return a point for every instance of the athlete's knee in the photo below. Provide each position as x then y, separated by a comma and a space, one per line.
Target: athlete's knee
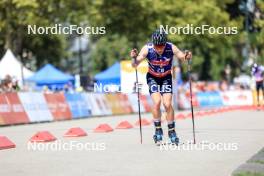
167, 105
156, 105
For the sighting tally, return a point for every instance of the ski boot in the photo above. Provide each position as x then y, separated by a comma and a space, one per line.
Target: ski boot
158, 133
172, 134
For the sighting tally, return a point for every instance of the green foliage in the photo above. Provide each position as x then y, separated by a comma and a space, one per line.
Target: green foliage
129, 24
108, 50
15, 15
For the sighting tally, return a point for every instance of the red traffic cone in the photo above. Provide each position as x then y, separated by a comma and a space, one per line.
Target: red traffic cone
103, 128
42, 136
75, 132
144, 122
124, 125
5, 143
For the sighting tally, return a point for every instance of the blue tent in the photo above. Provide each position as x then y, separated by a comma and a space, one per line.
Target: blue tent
109, 76
51, 77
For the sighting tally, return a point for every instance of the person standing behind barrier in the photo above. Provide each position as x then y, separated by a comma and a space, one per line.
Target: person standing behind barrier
258, 73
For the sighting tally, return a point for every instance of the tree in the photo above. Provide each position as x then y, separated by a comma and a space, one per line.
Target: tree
16, 15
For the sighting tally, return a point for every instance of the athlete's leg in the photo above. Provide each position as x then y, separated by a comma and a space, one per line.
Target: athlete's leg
167, 99
155, 96
258, 90
262, 93
156, 99
167, 103
166, 91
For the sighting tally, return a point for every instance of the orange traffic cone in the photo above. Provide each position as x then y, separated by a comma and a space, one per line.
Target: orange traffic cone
42, 136
124, 125
144, 122
103, 128
5, 143
75, 132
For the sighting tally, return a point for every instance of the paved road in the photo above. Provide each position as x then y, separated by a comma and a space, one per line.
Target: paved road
124, 155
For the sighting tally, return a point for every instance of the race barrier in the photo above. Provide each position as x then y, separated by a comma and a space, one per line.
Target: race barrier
36, 106
77, 105
58, 106
209, 99
216, 99
12, 110
237, 98
31, 107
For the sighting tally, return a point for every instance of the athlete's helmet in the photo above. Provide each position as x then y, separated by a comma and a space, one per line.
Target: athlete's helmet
159, 37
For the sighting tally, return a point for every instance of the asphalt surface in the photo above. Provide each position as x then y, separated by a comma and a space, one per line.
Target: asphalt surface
224, 141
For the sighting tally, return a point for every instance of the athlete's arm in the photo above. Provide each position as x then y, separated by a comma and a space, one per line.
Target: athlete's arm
139, 57
181, 55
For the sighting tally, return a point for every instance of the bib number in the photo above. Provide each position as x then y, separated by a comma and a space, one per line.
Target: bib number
161, 70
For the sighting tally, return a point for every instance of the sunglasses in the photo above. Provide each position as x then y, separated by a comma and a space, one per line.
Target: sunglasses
159, 46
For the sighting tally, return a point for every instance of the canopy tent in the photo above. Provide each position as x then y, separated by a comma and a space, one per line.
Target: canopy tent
50, 76
110, 76
9, 65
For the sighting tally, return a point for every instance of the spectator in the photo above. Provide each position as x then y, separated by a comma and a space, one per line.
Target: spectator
258, 73
7, 85
15, 84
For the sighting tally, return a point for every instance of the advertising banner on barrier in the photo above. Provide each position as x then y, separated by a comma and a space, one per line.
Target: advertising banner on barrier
11, 109
58, 106
125, 104
1, 121
144, 100
184, 101
93, 103
237, 97
134, 103
35, 106
209, 99
115, 103
78, 106
104, 105
128, 77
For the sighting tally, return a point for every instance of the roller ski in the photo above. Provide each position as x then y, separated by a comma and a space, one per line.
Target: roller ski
158, 136
172, 134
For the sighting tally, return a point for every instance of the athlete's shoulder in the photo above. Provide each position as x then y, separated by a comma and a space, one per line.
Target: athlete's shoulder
149, 45
170, 44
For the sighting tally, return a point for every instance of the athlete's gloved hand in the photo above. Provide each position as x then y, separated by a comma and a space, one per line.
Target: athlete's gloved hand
188, 55
133, 55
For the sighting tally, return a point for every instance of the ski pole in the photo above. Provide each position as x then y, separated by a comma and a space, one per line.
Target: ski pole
139, 112
190, 82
